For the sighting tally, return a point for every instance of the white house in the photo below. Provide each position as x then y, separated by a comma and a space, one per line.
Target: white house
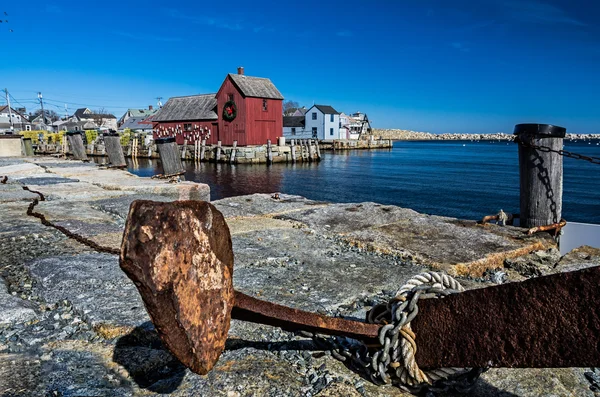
294, 127
19, 121
359, 125
324, 122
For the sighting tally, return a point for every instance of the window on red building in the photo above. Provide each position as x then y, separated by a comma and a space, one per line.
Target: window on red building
230, 97
187, 127
264, 105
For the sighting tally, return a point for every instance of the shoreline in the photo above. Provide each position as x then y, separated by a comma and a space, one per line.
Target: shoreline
407, 135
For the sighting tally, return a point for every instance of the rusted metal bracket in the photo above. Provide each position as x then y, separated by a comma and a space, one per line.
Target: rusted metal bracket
489, 218
557, 227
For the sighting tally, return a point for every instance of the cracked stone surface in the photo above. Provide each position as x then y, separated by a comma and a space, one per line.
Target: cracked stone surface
76, 325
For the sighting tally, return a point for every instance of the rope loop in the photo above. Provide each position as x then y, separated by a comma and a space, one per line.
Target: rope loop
395, 361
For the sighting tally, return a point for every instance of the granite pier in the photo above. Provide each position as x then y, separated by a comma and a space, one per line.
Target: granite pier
73, 324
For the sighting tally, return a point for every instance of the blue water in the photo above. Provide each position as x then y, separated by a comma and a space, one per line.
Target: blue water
460, 179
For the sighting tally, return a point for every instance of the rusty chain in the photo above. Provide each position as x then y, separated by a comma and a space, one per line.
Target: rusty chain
395, 361
561, 152
85, 241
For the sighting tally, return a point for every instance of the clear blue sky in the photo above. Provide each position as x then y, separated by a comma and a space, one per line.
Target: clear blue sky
439, 66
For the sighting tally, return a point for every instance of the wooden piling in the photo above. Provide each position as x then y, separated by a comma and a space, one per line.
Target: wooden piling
293, 149
28, 147
269, 152
202, 150
184, 149
76, 144
218, 153
232, 157
169, 156
112, 144
541, 173
310, 150
318, 150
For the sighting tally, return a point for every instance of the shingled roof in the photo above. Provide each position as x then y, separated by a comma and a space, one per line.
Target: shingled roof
293, 121
257, 87
193, 107
326, 109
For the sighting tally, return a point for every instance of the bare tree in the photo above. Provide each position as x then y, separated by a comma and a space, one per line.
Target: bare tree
99, 117
289, 107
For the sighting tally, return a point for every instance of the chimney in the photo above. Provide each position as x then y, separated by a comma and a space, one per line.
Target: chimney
149, 107
240, 70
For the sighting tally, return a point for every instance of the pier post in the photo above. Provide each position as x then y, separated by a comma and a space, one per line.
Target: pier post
202, 150
76, 144
541, 173
293, 149
169, 156
269, 152
232, 157
184, 149
318, 150
28, 147
112, 144
310, 150
218, 154
196, 150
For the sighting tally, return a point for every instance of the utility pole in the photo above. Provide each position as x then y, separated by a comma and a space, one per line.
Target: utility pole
159, 102
12, 127
66, 112
42, 104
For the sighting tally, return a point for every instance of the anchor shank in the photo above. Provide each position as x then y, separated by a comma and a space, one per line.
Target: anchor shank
258, 311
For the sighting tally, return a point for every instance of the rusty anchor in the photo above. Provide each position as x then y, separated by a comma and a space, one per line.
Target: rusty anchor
179, 255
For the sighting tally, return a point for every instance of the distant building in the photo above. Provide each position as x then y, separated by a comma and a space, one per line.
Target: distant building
137, 113
344, 126
246, 109
103, 121
359, 125
19, 120
323, 121
192, 117
294, 127
300, 111
136, 124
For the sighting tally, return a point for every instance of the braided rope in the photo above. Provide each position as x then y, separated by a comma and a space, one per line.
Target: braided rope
395, 361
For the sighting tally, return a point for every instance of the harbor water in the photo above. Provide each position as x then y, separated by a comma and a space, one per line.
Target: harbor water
462, 179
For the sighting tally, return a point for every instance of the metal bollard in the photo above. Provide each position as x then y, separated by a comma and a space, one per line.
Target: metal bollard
112, 144
541, 173
76, 144
169, 156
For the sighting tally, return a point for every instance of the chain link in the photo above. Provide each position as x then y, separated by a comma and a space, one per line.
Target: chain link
395, 361
561, 152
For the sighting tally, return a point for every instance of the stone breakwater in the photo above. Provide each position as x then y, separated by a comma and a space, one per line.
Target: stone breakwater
72, 323
406, 135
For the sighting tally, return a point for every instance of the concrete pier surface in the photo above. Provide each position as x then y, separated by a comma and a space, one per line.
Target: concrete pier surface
73, 324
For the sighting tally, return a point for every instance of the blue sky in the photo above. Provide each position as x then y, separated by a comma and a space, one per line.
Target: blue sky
439, 66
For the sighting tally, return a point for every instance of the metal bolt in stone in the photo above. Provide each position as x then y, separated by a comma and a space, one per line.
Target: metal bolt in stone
180, 257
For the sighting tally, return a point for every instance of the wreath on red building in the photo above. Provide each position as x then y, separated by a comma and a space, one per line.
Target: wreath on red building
229, 111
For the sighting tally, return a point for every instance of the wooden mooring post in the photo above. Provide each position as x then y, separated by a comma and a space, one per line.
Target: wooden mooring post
318, 150
169, 156
293, 150
541, 173
232, 157
202, 150
112, 144
269, 152
184, 149
76, 144
311, 150
218, 152
28, 147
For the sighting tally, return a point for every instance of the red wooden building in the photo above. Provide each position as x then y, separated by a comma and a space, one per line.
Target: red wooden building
246, 109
